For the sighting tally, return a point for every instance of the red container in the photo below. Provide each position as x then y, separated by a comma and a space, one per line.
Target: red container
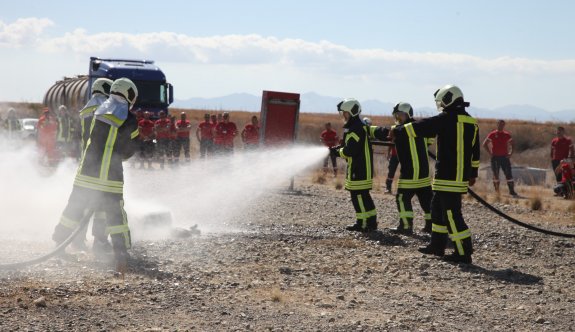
279, 118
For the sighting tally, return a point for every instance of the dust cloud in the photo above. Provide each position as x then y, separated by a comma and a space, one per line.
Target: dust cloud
208, 193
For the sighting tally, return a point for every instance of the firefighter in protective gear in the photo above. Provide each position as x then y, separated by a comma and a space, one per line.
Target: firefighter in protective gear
99, 181
100, 92
357, 151
414, 178
12, 125
458, 151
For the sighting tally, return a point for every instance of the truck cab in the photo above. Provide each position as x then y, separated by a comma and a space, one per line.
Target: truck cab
154, 93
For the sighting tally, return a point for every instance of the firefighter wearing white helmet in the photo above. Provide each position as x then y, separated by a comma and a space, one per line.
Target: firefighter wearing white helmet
99, 182
100, 92
456, 169
357, 150
414, 178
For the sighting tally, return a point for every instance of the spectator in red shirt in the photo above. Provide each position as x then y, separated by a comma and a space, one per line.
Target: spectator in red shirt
565, 187
561, 148
500, 151
330, 139
146, 129
162, 128
183, 129
205, 135
173, 140
47, 129
251, 134
225, 133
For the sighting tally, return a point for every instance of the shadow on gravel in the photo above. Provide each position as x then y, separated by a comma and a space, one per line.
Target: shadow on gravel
508, 275
386, 239
145, 267
293, 193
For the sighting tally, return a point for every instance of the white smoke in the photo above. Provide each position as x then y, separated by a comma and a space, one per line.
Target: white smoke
208, 193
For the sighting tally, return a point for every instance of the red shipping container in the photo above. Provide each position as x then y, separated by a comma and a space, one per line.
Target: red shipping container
279, 118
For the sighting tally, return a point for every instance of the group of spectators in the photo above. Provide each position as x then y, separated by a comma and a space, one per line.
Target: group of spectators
216, 135
165, 138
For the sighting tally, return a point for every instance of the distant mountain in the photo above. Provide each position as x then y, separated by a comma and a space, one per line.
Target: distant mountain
312, 102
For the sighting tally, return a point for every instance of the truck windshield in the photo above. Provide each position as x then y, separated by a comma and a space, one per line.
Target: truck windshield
151, 93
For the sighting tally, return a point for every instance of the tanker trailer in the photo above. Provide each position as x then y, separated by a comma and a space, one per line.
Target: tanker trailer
155, 94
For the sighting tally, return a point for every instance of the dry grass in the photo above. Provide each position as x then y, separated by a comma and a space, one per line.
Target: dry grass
276, 295
535, 203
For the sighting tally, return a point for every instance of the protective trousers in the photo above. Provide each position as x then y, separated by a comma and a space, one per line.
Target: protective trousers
391, 169
98, 227
448, 221
403, 200
365, 211
82, 200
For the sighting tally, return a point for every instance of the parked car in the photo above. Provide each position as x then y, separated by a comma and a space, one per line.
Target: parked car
29, 128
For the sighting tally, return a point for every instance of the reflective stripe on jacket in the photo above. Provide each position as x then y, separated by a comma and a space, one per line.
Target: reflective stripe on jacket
457, 146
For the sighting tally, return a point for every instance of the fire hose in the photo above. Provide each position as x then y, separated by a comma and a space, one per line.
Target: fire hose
496, 210
55, 251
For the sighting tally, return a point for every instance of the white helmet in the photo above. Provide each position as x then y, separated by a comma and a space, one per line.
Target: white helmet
62, 108
403, 108
447, 96
126, 88
367, 121
102, 85
350, 106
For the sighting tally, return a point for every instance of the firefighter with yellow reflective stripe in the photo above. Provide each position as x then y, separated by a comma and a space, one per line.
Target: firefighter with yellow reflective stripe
357, 151
414, 178
99, 180
455, 170
100, 92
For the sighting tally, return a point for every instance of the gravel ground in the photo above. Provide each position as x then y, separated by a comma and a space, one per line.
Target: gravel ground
289, 266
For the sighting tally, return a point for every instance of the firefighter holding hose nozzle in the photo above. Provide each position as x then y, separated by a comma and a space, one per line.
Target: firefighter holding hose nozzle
99, 181
357, 151
455, 170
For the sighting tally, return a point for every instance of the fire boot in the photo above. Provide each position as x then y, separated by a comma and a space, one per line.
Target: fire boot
402, 229
467, 251
121, 258
120, 253
370, 225
496, 186
437, 245
101, 248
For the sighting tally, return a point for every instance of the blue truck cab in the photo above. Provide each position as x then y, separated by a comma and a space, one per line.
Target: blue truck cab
154, 93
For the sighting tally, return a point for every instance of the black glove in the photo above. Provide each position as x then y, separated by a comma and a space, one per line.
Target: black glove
333, 151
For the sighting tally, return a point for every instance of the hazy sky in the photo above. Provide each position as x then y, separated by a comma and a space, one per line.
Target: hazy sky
498, 52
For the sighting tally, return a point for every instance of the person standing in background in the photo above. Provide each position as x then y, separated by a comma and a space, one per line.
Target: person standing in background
251, 134
183, 128
330, 139
500, 151
561, 148
205, 136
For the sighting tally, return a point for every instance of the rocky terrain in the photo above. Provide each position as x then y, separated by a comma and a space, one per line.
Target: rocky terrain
287, 265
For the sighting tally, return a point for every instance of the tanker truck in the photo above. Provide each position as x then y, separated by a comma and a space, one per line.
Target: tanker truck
154, 93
